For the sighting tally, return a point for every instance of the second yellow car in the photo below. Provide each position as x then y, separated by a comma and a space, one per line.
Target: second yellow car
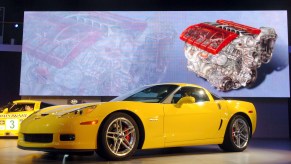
12, 114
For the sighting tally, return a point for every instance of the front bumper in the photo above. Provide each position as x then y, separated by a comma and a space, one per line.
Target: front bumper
85, 136
48, 149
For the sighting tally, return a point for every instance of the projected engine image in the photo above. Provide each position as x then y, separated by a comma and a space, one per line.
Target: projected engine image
96, 53
226, 53
107, 53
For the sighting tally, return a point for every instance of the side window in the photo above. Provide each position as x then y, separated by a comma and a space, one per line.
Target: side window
21, 107
29, 107
177, 96
17, 108
198, 93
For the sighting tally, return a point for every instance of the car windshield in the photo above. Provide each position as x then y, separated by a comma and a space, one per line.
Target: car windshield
9, 105
215, 97
149, 94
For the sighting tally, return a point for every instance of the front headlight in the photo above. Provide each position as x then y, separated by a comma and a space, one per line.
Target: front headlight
81, 111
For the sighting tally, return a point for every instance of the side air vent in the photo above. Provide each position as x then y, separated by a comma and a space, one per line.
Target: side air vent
220, 124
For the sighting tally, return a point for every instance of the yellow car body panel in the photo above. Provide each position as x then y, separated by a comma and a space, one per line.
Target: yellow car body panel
10, 121
160, 124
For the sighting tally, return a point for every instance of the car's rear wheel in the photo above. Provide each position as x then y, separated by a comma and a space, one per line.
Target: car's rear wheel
119, 137
237, 135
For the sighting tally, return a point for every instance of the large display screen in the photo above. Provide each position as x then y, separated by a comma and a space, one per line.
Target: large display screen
109, 53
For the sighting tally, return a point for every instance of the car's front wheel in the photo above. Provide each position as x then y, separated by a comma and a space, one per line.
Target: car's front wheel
237, 135
119, 137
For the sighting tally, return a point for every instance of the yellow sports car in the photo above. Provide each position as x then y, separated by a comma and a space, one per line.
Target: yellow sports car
12, 114
154, 116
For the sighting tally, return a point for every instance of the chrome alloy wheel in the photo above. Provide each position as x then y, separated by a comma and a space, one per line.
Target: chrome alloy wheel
120, 136
240, 133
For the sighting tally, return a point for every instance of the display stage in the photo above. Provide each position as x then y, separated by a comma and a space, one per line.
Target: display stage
259, 151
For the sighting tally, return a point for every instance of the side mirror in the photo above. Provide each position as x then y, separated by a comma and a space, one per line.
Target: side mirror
185, 100
5, 111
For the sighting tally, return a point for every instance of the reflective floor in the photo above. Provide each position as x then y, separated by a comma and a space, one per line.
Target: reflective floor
259, 151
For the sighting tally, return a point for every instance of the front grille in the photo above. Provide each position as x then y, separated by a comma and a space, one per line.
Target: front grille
39, 138
67, 137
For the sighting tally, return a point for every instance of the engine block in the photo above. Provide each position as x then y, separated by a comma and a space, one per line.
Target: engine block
227, 54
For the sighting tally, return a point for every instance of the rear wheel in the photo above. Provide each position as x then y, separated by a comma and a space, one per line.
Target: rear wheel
237, 135
119, 137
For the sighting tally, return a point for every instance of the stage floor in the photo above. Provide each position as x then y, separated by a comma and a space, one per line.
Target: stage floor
259, 151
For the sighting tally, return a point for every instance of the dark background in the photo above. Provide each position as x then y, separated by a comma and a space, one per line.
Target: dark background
10, 62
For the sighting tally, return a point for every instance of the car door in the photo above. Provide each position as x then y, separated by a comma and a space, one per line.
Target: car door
191, 121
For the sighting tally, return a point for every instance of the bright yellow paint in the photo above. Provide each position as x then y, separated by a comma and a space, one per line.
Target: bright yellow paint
10, 121
165, 125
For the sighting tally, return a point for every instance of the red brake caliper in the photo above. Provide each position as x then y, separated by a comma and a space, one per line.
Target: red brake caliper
127, 137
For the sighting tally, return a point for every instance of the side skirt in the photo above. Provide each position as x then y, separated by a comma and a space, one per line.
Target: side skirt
195, 142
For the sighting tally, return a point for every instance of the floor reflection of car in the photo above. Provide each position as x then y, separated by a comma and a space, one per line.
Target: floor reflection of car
154, 116
12, 114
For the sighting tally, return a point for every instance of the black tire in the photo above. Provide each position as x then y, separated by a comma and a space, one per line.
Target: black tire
234, 140
118, 137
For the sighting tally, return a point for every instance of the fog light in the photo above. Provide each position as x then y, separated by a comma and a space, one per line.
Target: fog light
67, 137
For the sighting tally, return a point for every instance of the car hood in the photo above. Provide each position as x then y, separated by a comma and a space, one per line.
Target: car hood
60, 110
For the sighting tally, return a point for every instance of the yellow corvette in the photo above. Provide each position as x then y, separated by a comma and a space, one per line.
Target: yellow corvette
12, 114
154, 116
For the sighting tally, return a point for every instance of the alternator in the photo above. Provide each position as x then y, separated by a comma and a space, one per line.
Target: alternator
226, 53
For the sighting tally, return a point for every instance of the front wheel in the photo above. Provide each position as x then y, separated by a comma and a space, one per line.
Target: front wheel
237, 135
119, 137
